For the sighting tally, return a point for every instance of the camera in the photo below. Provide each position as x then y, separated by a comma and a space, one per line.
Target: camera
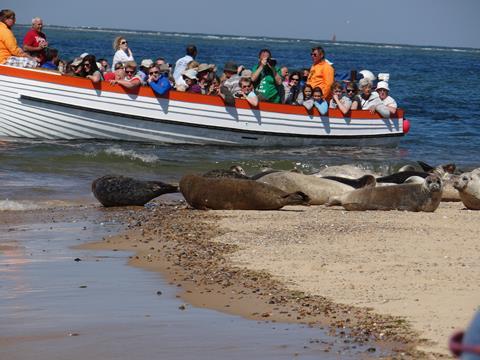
238, 95
272, 62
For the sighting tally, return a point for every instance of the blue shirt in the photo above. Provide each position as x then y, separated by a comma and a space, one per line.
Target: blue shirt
161, 86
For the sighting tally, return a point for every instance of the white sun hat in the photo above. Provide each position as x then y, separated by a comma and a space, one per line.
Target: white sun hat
382, 85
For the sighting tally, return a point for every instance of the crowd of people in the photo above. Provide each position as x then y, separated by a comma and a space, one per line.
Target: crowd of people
266, 81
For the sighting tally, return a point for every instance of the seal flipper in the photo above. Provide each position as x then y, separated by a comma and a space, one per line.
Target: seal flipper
364, 181
296, 198
401, 177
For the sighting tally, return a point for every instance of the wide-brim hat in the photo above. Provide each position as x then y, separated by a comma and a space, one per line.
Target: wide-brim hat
382, 85
77, 61
190, 73
204, 67
230, 66
246, 73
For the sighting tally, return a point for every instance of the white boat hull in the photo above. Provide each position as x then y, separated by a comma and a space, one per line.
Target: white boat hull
42, 105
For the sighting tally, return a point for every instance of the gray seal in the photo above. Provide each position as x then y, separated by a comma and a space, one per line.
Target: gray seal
319, 190
113, 190
408, 197
235, 172
235, 194
468, 186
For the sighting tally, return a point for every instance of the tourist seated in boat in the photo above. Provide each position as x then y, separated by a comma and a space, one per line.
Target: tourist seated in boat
51, 59
117, 74
122, 52
351, 91
90, 69
74, 67
105, 66
190, 80
246, 91
205, 76
266, 78
160, 61
214, 88
231, 80
304, 77
339, 100
10, 53
181, 64
390, 104
317, 100
284, 73
35, 41
292, 90
368, 100
307, 97
158, 79
144, 69
131, 80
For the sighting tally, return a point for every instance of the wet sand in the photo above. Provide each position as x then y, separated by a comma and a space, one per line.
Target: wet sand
404, 279
59, 301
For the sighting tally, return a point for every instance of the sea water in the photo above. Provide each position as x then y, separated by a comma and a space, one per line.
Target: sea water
438, 88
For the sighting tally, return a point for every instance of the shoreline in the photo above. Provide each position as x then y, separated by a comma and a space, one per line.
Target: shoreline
211, 257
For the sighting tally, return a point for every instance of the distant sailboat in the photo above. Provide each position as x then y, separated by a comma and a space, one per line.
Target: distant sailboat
334, 37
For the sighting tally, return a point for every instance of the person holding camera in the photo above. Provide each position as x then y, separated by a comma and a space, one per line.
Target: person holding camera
266, 77
246, 91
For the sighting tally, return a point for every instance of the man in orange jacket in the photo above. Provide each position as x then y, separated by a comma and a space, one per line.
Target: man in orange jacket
10, 53
321, 73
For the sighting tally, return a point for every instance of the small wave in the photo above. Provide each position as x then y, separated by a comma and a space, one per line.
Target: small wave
131, 154
10, 205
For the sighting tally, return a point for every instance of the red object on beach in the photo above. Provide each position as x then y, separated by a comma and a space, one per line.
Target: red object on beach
406, 126
457, 347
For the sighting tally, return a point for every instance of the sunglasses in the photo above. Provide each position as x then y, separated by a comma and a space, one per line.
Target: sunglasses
350, 90
154, 72
295, 79
314, 54
245, 86
129, 71
124, 42
382, 90
87, 64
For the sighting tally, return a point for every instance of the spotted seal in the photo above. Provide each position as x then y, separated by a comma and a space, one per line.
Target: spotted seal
235, 194
410, 197
235, 172
112, 190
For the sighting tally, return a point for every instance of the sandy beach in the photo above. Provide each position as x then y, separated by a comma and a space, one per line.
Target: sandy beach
406, 279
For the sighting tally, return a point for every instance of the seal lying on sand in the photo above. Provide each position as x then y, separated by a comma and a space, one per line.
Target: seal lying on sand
319, 190
345, 171
468, 186
124, 191
235, 194
235, 172
409, 197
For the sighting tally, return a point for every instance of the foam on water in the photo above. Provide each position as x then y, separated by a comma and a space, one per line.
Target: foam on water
131, 154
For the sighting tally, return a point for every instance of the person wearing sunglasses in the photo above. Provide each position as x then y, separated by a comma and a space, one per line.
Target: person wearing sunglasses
339, 100
132, 80
90, 69
158, 79
122, 52
293, 90
246, 91
321, 73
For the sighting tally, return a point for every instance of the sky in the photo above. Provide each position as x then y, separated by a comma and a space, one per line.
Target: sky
452, 23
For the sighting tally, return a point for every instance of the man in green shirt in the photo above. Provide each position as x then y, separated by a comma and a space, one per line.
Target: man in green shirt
266, 77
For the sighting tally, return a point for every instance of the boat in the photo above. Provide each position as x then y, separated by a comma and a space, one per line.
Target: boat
40, 104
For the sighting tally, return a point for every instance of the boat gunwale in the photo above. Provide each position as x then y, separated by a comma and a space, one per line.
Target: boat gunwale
145, 91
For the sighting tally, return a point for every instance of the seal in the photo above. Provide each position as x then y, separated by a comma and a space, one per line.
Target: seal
235, 194
468, 186
319, 190
365, 180
408, 197
112, 190
235, 172
346, 171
